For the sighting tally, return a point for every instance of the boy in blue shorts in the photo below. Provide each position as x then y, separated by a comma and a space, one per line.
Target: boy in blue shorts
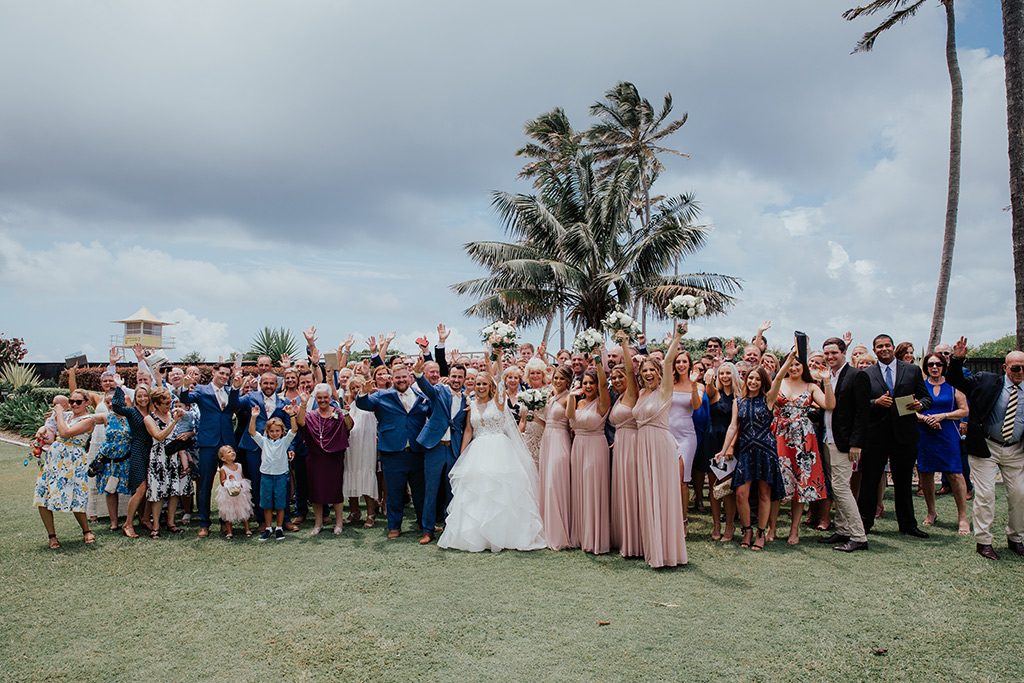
274, 468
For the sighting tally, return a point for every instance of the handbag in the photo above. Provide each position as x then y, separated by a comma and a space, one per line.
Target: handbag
111, 485
722, 488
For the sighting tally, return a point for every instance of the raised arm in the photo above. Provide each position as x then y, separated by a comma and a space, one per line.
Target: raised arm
670, 358
253, 414
758, 340
773, 392
632, 390
604, 399
117, 402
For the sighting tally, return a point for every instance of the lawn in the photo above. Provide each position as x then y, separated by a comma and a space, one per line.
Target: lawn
360, 608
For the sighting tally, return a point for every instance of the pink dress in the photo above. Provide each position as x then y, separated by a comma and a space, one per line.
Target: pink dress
625, 525
661, 502
554, 475
591, 471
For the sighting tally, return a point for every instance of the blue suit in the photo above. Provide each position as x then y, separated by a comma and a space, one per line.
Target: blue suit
401, 456
249, 449
440, 454
213, 431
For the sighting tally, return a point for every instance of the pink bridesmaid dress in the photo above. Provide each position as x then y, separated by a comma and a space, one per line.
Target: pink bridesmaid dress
661, 503
625, 527
555, 446
590, 468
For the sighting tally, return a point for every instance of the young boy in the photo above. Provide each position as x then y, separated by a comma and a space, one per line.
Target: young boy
274, 468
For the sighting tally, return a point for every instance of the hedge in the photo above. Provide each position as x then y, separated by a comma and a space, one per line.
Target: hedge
89, 378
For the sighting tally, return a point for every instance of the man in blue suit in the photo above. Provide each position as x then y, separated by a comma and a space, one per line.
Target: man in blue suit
441, 436
401, 414
266, 399
216, 403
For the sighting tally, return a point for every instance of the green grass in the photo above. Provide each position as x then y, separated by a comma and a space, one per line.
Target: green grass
359, 608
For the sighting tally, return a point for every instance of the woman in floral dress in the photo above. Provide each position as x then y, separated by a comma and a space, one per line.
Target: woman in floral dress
62, 485
799, 455
113, 454
168, 467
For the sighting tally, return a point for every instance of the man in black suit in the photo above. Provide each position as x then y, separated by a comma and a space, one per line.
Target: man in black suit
844, 437
891, 437
994, 444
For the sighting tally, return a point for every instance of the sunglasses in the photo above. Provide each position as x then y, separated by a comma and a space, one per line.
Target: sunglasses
1016, 368
76, 401
934, 364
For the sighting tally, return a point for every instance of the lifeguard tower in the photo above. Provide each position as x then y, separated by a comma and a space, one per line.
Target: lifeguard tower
142, 327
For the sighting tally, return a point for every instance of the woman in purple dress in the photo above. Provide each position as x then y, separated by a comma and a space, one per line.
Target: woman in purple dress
686, 397
938, 449
325, 433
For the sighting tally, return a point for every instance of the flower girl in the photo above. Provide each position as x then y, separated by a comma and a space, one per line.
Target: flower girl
234, 497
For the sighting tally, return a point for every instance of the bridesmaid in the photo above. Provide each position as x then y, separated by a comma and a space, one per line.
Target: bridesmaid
661, 509
721, 385
590, 466
625, 506
555, 448
686, 397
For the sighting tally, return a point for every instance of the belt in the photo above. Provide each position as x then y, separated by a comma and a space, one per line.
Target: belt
1000, 442
444, 443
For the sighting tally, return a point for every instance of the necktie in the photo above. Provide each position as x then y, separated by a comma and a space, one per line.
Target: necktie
888, 377
1011, 414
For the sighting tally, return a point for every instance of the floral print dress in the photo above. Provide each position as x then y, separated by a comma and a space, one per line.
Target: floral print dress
166, 475
115, 451
799, 455
63, 484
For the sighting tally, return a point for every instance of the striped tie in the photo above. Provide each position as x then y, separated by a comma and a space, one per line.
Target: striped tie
1011, 414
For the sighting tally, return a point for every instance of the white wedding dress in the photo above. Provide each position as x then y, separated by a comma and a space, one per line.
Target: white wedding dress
495, 502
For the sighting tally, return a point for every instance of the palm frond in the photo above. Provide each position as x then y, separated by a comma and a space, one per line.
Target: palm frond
867, 41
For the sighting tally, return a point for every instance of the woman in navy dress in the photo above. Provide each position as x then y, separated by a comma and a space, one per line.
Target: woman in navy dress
938, 449
720, 394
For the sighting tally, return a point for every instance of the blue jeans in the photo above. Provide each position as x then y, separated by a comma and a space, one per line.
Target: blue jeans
401, 468
437, 463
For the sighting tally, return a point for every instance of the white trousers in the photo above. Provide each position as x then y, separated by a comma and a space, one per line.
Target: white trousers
1008, 461
848, 521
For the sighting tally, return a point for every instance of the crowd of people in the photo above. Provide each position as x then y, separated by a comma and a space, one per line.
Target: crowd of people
516, 449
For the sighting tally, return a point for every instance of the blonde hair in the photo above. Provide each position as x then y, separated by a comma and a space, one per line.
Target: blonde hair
491, 383
225, 449
275, 421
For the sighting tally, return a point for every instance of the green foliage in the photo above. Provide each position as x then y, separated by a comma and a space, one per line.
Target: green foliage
272, 342
11, 350
17, 375
192, 358
997, 348
23, 413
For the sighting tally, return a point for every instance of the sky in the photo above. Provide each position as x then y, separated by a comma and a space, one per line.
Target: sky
245, 163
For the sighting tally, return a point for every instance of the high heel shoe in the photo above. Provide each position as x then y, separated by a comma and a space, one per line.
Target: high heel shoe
759, 541
747, 533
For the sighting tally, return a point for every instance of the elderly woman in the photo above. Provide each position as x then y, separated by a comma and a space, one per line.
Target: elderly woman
62, 485
325, 431
360, 479
513, 380
531, 423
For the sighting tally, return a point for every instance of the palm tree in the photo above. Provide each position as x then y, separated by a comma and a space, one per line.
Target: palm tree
272, 342
583, 253
900, 11
1013, 54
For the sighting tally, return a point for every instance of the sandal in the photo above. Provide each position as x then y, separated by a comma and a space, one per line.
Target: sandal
129, 532
747, 533
54, 543
760, 540
173, 529
88, 537
154, 534
354, 517
248, 533
371, 520
229, 536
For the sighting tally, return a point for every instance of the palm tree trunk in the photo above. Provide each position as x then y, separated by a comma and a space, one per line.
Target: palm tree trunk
1013, 54
547, 329
561, 327
956, 86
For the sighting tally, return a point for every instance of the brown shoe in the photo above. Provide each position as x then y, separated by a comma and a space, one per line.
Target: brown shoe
298, 520
425, 539
393, 534
987, 551
291, 527
1016, 547
204, 532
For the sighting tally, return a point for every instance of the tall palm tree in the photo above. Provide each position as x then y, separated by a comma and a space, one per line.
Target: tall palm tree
1013, 56
583, 252
900, 11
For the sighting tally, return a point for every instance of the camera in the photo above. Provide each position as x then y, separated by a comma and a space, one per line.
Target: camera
97, 466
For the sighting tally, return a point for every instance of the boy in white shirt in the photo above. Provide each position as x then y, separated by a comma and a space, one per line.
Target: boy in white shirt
274, 468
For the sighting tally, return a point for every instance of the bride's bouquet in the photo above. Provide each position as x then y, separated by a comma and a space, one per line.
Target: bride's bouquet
499, 335
588, 341
686, 307
619, 321
534, 399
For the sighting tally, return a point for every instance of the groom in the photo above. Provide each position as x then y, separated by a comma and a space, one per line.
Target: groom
401, 414
441, 436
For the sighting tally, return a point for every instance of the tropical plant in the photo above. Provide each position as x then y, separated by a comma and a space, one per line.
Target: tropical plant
575, 245
22, 413
997, 348
1013, 61
272, 342
18, 376
193, 358
12, 350
900, 11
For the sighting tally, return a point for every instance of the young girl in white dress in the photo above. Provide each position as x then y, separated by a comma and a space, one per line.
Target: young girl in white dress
234, 496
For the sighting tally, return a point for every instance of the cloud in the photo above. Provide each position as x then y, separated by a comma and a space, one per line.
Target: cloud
208, 337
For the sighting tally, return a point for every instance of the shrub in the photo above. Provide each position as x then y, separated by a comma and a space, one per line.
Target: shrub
12, 350
16, 376
22, 413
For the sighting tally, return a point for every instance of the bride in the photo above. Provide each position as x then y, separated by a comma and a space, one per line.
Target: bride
494, 482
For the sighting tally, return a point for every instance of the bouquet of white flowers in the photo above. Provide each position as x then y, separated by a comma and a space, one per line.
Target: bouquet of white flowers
534, 399
588, 341
617, 320
499, 336
686, 307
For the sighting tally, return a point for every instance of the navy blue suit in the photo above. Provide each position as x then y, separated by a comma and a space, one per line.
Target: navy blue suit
213, 431
441, 453
401, 456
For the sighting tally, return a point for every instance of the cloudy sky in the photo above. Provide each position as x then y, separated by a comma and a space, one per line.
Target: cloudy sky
233, 164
